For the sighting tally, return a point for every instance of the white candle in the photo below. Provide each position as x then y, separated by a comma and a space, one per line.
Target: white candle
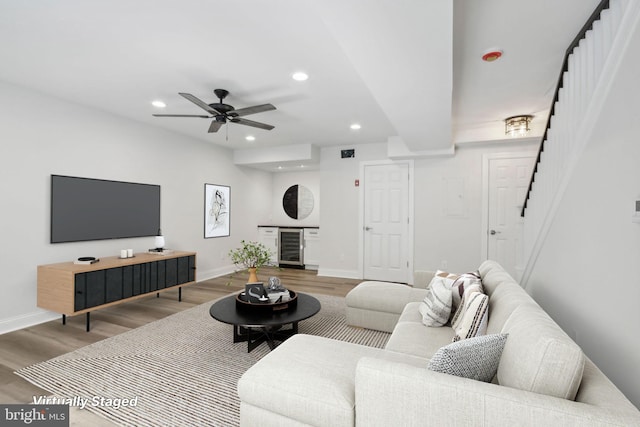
129, 253
123, 253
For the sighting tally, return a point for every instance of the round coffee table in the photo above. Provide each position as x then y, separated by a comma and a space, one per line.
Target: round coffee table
256, 328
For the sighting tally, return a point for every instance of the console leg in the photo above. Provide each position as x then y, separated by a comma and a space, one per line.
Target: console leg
64, 319
158, 295
180, 294
88, 321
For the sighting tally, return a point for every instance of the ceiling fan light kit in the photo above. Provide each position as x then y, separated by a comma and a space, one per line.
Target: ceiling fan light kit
222, 113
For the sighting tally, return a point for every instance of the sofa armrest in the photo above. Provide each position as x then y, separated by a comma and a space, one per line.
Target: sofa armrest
422, 278
391, 393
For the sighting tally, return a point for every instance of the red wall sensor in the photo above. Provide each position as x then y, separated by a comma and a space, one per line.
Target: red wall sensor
492, 55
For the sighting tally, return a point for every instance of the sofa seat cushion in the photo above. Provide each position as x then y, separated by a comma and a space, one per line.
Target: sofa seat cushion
539, 356
311, 379
410, 336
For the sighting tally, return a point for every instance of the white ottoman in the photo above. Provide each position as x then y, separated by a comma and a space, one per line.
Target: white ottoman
378, 305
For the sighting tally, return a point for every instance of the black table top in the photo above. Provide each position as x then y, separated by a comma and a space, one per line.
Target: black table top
225, 311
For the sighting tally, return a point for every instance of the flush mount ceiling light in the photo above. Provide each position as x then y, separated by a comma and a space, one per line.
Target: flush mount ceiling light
355, 126
250, 138
517, 125
492, 54
299, 76
158, 104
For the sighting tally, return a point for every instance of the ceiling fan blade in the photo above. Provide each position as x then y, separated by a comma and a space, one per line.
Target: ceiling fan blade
252, 123
179, 115
199, 103
215, 125
251, 110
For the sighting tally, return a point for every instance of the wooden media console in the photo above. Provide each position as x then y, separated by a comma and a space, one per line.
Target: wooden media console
71, 289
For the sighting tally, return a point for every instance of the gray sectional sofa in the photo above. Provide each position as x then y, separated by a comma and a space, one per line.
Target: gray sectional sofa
543, 378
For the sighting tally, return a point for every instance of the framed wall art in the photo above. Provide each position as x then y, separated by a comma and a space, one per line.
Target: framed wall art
216, 210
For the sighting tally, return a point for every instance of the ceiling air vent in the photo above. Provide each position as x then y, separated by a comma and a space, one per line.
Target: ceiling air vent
347, 154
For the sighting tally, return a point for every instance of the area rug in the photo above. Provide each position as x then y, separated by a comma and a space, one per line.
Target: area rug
180, 370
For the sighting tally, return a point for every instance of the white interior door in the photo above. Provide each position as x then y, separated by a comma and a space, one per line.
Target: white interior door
386, 222
507, 187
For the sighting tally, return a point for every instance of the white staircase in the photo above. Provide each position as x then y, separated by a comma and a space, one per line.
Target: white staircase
587, 74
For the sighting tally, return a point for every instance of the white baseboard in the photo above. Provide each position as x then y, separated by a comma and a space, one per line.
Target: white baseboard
24, 321
347, 274
216, 272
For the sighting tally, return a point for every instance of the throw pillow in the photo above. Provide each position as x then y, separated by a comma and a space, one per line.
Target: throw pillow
462, 283
473, 321
448, 278
464, 286
436, 306
476, 358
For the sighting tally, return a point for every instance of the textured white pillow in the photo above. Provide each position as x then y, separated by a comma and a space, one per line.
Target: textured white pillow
436, 306
476, 358
474, 318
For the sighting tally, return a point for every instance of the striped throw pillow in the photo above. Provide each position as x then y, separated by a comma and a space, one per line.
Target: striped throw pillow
436, 306
475, 315
464, 282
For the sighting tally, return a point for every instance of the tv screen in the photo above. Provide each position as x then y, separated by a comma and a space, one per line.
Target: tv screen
95, 209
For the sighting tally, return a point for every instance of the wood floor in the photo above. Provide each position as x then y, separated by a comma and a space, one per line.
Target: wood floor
42, 342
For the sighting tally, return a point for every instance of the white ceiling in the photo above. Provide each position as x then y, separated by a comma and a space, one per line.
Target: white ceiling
408, 71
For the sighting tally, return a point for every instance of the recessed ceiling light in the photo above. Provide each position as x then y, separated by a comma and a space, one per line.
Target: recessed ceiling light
158, 104
279, 167
355, 126
300, 76
250, 138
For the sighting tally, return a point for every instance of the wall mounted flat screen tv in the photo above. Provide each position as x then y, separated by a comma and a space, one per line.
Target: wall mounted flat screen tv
94, 209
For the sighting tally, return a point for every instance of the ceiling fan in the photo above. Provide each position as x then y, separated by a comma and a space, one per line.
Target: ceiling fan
222, 113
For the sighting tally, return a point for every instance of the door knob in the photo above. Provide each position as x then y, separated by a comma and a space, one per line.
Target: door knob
492, 232
368, 228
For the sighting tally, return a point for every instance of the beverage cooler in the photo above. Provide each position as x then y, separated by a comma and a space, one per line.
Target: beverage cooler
291, 248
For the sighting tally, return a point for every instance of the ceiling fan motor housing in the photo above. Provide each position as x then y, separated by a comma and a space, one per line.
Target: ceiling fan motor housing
222, 108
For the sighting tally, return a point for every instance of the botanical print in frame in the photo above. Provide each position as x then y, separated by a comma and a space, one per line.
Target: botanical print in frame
216, 210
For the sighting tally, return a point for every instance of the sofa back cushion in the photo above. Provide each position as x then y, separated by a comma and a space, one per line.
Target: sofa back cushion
538, 356
503, 302
493, 275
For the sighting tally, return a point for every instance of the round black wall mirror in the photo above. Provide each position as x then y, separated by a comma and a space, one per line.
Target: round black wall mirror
297, 202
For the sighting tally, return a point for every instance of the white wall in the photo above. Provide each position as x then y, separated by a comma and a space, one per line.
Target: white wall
43, 136
588, 273
450, 241
437, 236
339, 218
